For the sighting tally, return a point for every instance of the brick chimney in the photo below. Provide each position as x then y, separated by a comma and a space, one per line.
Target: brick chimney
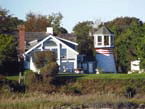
21, 39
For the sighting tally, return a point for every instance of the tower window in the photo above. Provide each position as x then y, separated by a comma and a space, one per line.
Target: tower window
106, 40
99, 40
112, 40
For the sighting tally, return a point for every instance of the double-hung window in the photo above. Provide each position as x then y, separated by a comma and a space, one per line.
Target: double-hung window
100, 40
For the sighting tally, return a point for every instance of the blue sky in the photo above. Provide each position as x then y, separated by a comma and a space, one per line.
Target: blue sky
74, 11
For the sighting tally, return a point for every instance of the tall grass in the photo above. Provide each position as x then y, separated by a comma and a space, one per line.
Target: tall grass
37, 100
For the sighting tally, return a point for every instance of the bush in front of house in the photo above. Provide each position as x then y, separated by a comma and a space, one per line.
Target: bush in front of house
41, 59
49, 71
29, 77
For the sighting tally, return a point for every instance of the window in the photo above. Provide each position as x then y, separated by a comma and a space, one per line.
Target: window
106, 40
55, 51
63, 53
49, 43
99, 40
112, 41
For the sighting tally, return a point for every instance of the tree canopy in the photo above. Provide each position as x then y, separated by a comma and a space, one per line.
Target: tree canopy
8, 54
8, 24
129, 41
38, 23
85, 41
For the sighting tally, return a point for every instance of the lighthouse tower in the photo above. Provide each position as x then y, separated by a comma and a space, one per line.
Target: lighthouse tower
104, 44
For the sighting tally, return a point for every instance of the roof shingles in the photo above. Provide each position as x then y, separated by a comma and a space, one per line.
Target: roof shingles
103, 30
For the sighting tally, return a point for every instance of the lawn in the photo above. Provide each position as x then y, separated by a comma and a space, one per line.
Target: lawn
15, 78
94, 76
105, 76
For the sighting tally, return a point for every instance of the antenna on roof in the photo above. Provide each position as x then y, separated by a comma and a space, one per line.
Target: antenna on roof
96, 23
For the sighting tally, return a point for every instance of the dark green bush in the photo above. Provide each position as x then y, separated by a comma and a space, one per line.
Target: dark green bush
130, 92
29, 77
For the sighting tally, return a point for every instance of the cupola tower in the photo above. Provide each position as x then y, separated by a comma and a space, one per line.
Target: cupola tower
104, 44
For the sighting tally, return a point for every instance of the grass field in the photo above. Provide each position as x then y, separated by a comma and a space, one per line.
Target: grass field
105, 76
94, 88
94, 76
15, 78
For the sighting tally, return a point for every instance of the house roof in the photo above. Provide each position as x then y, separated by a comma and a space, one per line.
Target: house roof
39, 36
103, 30
70, 37
50, 36
30, 36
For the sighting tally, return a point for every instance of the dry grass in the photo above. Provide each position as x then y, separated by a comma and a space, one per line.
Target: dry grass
44, 101
61, 99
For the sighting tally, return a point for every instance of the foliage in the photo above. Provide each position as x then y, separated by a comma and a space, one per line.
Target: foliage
82, 30
2, 77
55, 19
62, 31
29, 77
43, 58
38, 23
8, 54
129, 41
8, 24
46, 62
49, 71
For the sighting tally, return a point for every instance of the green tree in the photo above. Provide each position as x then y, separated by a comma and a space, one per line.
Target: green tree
8, 24
86, 42
129, 34
8, 54
82, 30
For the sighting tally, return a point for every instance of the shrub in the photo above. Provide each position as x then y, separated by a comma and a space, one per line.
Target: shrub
2, 77
135, 72
43, 58
49, 71
29, 77
130, 92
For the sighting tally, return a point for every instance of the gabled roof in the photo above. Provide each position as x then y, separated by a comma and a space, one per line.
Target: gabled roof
103, 30
71, 37
50, 36
68, 42
30, 36
38, 36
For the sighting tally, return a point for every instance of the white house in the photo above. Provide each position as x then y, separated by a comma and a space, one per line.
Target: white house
64, 49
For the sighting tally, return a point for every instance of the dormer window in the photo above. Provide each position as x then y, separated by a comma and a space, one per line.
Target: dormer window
99, 40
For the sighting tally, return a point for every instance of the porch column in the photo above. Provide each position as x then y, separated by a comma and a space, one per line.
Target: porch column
42, 47
102, 40
58, 54
76, 62
109, 40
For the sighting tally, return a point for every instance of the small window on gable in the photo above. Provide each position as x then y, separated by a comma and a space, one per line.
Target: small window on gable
99, 40
49, 43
